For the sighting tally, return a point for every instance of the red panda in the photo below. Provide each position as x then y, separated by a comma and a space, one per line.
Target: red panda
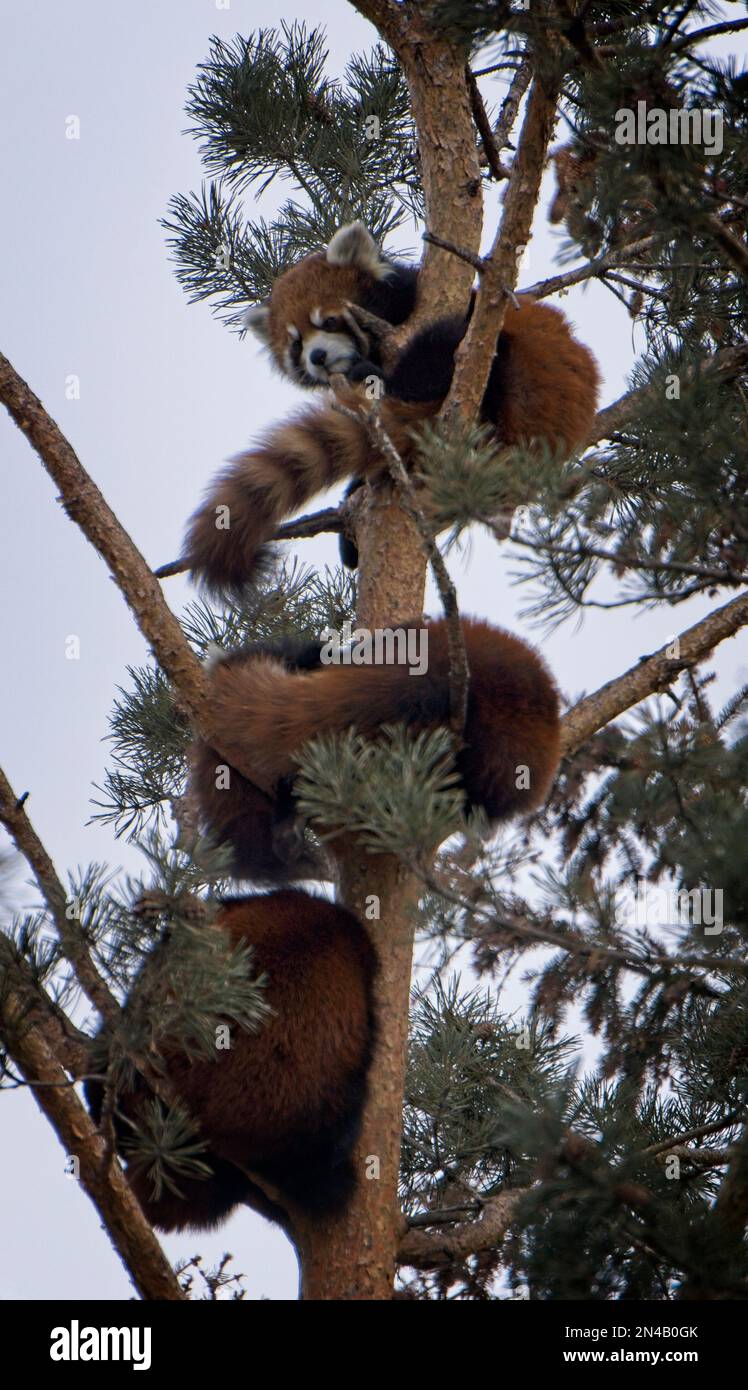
266, 702
543, 385
285, 1102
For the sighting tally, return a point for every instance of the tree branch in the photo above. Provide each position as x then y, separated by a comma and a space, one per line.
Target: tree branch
727, 362
86, 506
14, 818
435, 1249
542, 288
329, 519
480, 116
382, 13
511, 103
100, 1174
710, 31
29, 1000
474, 356
701, 1132
652, 673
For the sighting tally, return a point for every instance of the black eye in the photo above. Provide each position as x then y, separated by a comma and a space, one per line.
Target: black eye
330, 325
296, 349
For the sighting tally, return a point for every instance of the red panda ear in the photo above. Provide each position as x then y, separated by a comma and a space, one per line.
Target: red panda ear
354, 245
257, 319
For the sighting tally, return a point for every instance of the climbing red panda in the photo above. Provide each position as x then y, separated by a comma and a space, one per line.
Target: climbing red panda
265, 702
284, 1102
543, 385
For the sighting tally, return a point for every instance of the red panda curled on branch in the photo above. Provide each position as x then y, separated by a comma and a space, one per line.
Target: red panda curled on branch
283, 1103
266, 702
543, 386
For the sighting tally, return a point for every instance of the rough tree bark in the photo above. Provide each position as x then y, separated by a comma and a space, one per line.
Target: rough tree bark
450, 167
354, 1257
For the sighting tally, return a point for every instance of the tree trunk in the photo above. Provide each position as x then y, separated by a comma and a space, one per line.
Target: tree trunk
353, 1258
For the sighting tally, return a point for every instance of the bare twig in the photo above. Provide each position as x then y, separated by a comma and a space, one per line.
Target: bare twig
477, 262
171, 568
703, 1158
710, 31
637, 285
444, 1216
542, 288
483, 916
620, 560
511, 103
480, 116
688, 1136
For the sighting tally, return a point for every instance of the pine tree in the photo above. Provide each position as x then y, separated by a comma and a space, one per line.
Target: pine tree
520, 1174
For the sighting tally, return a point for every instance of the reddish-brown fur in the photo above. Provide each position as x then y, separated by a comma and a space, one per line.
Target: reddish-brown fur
548, 391
309, 285
551, 381
314, 449
283, 1102
263, 713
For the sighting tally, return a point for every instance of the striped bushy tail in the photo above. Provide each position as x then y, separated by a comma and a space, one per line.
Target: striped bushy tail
226, 545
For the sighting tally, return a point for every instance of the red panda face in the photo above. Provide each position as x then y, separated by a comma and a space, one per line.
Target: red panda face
323, 343
306, 323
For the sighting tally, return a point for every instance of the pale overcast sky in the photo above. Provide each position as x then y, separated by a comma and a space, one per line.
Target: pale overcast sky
166, 394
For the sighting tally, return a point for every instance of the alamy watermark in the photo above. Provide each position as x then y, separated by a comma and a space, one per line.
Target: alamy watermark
656, 905
384, 646
651, 125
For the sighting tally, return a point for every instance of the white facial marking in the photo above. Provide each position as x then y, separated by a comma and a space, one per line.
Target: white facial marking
293, 332
335, 352
317, 318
